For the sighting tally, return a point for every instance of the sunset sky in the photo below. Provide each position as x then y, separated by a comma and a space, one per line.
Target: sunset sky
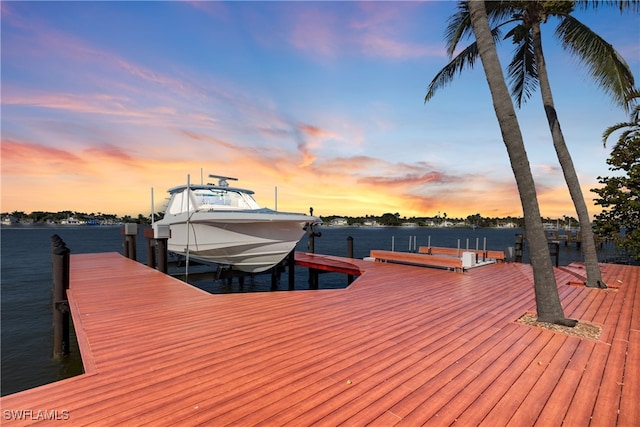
103, 101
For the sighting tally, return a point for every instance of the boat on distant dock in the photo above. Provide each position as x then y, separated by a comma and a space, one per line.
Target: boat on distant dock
225, 225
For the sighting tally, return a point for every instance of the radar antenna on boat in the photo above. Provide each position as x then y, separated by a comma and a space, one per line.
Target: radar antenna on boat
222, 180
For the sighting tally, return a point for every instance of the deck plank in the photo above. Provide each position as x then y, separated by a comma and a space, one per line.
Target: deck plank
629, 407
401, 345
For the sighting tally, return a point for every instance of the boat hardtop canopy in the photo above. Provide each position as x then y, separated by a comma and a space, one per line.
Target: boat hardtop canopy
193, 187
210, 197
222, 184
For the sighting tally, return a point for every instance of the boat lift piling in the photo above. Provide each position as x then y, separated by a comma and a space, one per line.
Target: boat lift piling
313, 273
349, 255
130, 231
519, 247
157, 243
291, 264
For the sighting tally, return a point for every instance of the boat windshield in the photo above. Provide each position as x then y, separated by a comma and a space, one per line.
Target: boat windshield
212, 199
221, 199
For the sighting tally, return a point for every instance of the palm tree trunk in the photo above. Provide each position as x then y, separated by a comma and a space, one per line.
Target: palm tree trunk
546, 290
594, 277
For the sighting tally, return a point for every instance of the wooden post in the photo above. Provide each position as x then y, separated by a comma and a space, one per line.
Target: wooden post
313, 278
130, 232
555, 251
349, 255
158, 236
311, 245
60, 256
519, 247
291, 262
162, 259
313, 273
156, 250
484, 249
151, 252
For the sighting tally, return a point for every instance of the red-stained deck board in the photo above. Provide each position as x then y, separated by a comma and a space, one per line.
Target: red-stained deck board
629, 407
566, 387
401, 345
473, 400
512, 400
537, 398
326, 263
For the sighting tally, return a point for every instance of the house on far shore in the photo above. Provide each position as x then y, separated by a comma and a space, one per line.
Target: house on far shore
506, 225
339, 222
9, 219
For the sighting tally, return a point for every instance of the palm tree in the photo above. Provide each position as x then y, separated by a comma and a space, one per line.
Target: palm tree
528, 70
546, 290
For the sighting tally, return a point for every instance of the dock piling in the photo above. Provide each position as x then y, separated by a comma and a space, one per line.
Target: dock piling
291, 263
554, 250
519, 247
157, 242
162, 259
349, 255
60, 256
130, 232
151, 252
313, 274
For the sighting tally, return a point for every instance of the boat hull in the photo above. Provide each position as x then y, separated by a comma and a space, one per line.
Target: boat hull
249, 242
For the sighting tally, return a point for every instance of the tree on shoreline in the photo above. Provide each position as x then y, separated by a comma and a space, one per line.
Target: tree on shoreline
528, 70
548, 303
620, 194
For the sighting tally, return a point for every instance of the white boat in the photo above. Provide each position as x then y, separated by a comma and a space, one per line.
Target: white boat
225, 225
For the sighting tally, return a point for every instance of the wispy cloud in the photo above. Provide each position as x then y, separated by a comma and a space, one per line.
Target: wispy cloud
372, 31
20, 158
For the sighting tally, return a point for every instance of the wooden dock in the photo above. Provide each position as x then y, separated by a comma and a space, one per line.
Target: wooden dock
402, 345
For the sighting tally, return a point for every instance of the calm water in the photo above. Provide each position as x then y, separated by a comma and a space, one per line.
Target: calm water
26, 339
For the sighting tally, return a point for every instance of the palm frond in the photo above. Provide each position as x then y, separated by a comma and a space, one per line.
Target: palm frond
632, 100
631, 5
633, 126
522, 71
465, 59
605, 64
501, 11
459, 24
611, 129
458, 27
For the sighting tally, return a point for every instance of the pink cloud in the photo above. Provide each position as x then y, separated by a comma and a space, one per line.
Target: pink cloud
378, 45
371, 31
316, 31
112, 153
315, 132
85, 103
411, 179
377, 29
19, 157
39, 41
